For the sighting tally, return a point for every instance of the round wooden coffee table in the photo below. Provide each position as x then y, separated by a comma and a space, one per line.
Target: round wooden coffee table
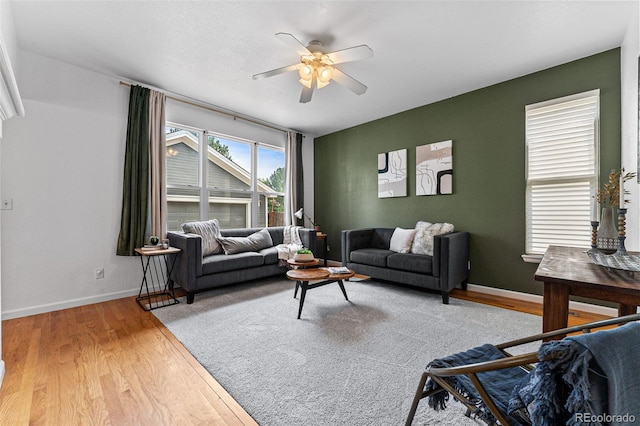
303, 276
298, 264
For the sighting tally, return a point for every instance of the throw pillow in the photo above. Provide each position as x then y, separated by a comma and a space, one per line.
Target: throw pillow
401, 240
423, 241
254, 242
419, 240
209, 232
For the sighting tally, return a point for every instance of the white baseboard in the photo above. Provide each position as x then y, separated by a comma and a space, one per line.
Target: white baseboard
1, 373
49, 307
578, 306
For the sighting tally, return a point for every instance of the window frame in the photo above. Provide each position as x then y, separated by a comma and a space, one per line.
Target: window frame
531, 255
207, 194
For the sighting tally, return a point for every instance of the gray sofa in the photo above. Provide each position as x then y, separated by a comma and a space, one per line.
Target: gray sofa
366, 251
195, 273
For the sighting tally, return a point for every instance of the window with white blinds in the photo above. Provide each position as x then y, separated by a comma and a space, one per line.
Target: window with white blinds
561, 171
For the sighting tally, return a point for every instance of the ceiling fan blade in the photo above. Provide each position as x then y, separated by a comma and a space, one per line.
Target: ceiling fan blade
294, 43
305, 96
355, 53
276, 71
349, 82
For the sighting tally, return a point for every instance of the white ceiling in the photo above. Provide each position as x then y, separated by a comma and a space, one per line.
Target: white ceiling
424, 51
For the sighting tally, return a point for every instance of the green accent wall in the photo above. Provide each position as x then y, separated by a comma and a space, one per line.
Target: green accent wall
487, 127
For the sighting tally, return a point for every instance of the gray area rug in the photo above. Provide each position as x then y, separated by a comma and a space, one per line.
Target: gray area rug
342, 363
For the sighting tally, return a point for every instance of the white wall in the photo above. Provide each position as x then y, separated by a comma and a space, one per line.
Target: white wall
62, 164
629, 81
205, 119
7, 34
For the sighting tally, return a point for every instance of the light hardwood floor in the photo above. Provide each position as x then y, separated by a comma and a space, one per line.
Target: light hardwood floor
113, 363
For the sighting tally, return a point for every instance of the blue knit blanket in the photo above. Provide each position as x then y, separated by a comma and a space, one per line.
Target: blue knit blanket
601, 371
498, 383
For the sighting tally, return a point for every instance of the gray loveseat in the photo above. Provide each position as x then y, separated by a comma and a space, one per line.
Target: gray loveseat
367, 252
194, 273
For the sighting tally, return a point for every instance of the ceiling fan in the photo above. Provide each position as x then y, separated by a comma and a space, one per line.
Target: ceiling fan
317, 67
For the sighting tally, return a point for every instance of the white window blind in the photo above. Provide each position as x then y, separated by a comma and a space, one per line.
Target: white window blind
561, 171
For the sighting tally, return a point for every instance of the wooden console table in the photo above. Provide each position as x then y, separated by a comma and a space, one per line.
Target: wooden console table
568, 271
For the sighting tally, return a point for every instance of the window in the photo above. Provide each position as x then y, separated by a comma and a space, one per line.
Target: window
183, 176
240, 176
561, 171
271, 179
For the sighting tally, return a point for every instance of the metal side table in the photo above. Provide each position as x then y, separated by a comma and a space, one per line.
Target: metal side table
156, 289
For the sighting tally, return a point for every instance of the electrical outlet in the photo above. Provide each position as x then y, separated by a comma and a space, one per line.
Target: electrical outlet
7, 203
99, 273
469, 265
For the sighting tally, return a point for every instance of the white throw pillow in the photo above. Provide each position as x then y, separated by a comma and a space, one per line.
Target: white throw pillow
401, 240
209, 232
425, 231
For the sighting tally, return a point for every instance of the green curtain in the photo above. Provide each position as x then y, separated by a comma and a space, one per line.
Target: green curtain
135, 191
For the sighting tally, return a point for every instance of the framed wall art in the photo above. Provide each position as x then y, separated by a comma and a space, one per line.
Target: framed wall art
434, 168
392, 174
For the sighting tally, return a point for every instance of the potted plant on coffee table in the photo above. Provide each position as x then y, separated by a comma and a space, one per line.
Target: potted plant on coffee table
303, 255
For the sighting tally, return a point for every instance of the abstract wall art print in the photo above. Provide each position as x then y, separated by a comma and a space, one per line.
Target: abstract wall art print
392, 174
434, 168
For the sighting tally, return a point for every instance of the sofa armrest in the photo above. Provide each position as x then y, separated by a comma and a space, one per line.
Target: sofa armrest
451, 259
354, 239
188, 264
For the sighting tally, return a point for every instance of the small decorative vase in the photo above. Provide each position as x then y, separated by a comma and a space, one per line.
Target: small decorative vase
607, 232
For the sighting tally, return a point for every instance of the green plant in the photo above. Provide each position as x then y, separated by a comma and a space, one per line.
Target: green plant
304, 251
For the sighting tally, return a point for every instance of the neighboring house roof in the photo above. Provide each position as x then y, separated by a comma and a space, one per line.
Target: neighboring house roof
234, 169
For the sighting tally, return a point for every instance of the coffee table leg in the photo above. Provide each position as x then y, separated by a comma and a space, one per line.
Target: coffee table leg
343, 290
295, 293
303, 293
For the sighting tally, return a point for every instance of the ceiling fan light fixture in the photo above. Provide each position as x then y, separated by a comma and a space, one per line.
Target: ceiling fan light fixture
320, 84
306, 83
324, 74
305, 72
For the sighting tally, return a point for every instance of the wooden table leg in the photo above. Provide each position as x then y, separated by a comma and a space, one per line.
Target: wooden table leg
624, 309
555, 307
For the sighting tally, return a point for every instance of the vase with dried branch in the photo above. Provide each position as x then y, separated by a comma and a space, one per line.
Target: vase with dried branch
611, 196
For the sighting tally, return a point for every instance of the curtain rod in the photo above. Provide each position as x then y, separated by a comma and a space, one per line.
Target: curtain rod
218, 111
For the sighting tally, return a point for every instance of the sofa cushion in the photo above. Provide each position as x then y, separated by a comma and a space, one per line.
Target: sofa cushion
401, 240
270, 255
410, 262
209, 231
221, 262
254, 242
425, 231
370, 256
